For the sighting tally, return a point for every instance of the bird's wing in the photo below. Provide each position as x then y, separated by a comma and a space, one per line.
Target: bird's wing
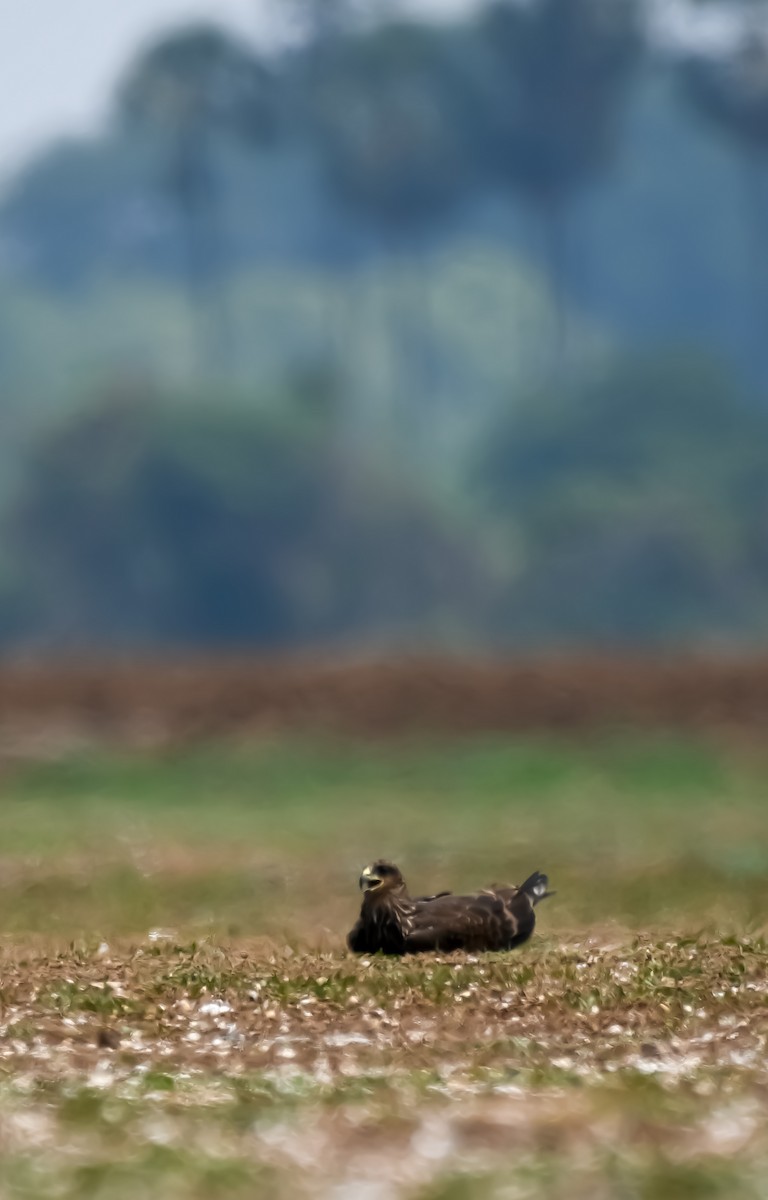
427, 899
480, 921
519, 915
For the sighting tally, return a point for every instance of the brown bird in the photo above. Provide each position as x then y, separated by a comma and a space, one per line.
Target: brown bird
393, 922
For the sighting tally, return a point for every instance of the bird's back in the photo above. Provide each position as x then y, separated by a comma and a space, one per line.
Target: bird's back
496, 918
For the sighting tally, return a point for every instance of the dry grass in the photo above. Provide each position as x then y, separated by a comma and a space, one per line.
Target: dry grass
309, 1074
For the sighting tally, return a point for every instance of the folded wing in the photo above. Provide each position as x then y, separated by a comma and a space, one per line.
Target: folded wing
495, 919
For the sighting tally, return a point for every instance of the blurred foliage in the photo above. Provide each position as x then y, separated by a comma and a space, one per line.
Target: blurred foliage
201, 76
362, 212
144, 520
630, 506
731, 93
638, 500
554, 73
732, 88
370, 137
555, 78
391, 119
190, 91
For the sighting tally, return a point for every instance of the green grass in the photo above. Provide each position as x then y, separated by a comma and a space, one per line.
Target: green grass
272, 839
619, 1056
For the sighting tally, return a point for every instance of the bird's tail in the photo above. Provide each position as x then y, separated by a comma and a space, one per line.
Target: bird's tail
535, 887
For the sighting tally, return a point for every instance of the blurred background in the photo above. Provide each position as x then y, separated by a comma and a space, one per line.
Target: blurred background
384, 325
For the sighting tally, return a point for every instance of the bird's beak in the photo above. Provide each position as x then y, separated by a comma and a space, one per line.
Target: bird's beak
368, 880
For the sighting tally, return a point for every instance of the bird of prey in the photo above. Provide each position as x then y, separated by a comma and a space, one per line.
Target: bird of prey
394, 922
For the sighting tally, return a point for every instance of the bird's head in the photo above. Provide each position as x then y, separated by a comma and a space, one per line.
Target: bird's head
379, 877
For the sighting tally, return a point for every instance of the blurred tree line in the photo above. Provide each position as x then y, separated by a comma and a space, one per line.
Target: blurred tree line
632, 176
151, 520
629, 507
401, 475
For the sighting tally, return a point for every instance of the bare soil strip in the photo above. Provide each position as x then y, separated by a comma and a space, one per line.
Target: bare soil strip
142, 703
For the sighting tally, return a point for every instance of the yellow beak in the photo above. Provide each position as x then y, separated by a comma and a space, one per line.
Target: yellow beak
369, 879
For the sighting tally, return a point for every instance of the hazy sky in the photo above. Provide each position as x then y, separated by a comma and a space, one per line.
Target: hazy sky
59, 59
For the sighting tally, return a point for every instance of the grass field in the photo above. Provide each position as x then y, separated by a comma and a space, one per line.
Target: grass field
179, 1017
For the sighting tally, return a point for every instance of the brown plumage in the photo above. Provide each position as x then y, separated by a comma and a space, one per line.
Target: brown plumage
393, 922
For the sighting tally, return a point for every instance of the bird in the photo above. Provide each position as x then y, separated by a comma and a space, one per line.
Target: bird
392, 921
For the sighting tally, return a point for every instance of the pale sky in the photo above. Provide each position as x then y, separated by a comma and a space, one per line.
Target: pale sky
59, 59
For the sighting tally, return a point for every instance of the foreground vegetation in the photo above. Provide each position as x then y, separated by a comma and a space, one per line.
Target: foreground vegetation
212, 1070
178, 1014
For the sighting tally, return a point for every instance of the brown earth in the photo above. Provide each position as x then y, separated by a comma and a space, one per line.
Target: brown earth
148, 703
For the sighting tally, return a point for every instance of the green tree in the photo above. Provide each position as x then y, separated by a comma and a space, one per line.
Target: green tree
550, 86
635, 505
387, 111
190, 94
387, 115
731, 92
145, 522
